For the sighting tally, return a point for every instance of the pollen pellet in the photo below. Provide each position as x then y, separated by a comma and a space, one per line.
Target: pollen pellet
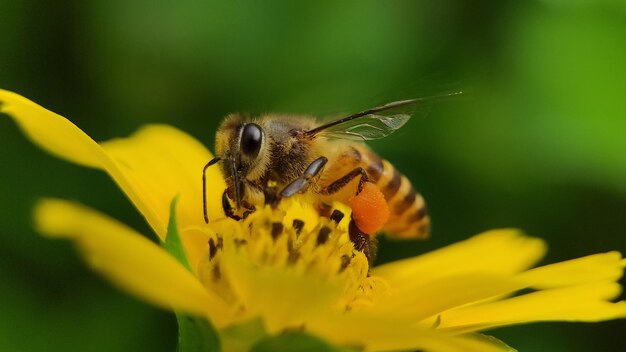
369, 209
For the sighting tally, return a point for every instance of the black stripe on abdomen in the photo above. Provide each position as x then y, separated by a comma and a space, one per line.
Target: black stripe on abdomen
405, 203
392, 187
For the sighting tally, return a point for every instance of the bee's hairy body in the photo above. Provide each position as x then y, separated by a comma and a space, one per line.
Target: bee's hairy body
285, 153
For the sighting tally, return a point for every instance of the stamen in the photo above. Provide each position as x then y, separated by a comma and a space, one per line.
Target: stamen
345, 261
298, 225
217, 274
336, 216
323, 235
212, 248
293, 257
277, 229
239, 242
266, 239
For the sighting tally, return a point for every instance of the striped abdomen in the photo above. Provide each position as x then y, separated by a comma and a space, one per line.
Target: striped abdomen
408, 215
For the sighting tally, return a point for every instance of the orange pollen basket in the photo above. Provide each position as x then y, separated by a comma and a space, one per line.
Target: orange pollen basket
369, 209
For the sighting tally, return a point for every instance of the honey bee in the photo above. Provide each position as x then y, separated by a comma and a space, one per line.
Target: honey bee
273, 157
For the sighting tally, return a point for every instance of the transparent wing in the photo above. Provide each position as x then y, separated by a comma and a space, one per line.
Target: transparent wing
367, 127
378, 122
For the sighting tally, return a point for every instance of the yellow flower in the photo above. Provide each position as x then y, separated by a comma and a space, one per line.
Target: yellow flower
289, 269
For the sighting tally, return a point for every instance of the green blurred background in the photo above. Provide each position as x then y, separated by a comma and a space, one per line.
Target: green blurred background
537, 142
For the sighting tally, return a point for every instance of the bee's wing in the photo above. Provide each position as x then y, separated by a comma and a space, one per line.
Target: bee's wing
375, 123
366, 127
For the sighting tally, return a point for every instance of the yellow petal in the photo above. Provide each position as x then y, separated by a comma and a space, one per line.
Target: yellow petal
587, 303
151, 167
503, 251
128, 259
60, 137
52, 132
387, 333
477, 288
422, 301
163, 162
598, 267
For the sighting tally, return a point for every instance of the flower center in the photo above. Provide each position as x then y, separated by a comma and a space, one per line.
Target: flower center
292, 239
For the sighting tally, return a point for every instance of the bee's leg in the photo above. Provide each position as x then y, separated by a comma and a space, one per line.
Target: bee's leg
343, 181
302, 182
324, 208
362, 241
270, 193
228, 209
231, 212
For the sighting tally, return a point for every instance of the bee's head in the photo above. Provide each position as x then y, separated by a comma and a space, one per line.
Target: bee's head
241, 146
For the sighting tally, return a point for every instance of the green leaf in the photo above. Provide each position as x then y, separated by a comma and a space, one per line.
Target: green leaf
172, 243
293, 341
241, 337
195, 334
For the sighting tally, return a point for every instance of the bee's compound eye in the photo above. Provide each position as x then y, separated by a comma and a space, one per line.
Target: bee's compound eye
251, 139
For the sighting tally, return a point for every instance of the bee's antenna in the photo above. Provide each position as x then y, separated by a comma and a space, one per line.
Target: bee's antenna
210, 163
